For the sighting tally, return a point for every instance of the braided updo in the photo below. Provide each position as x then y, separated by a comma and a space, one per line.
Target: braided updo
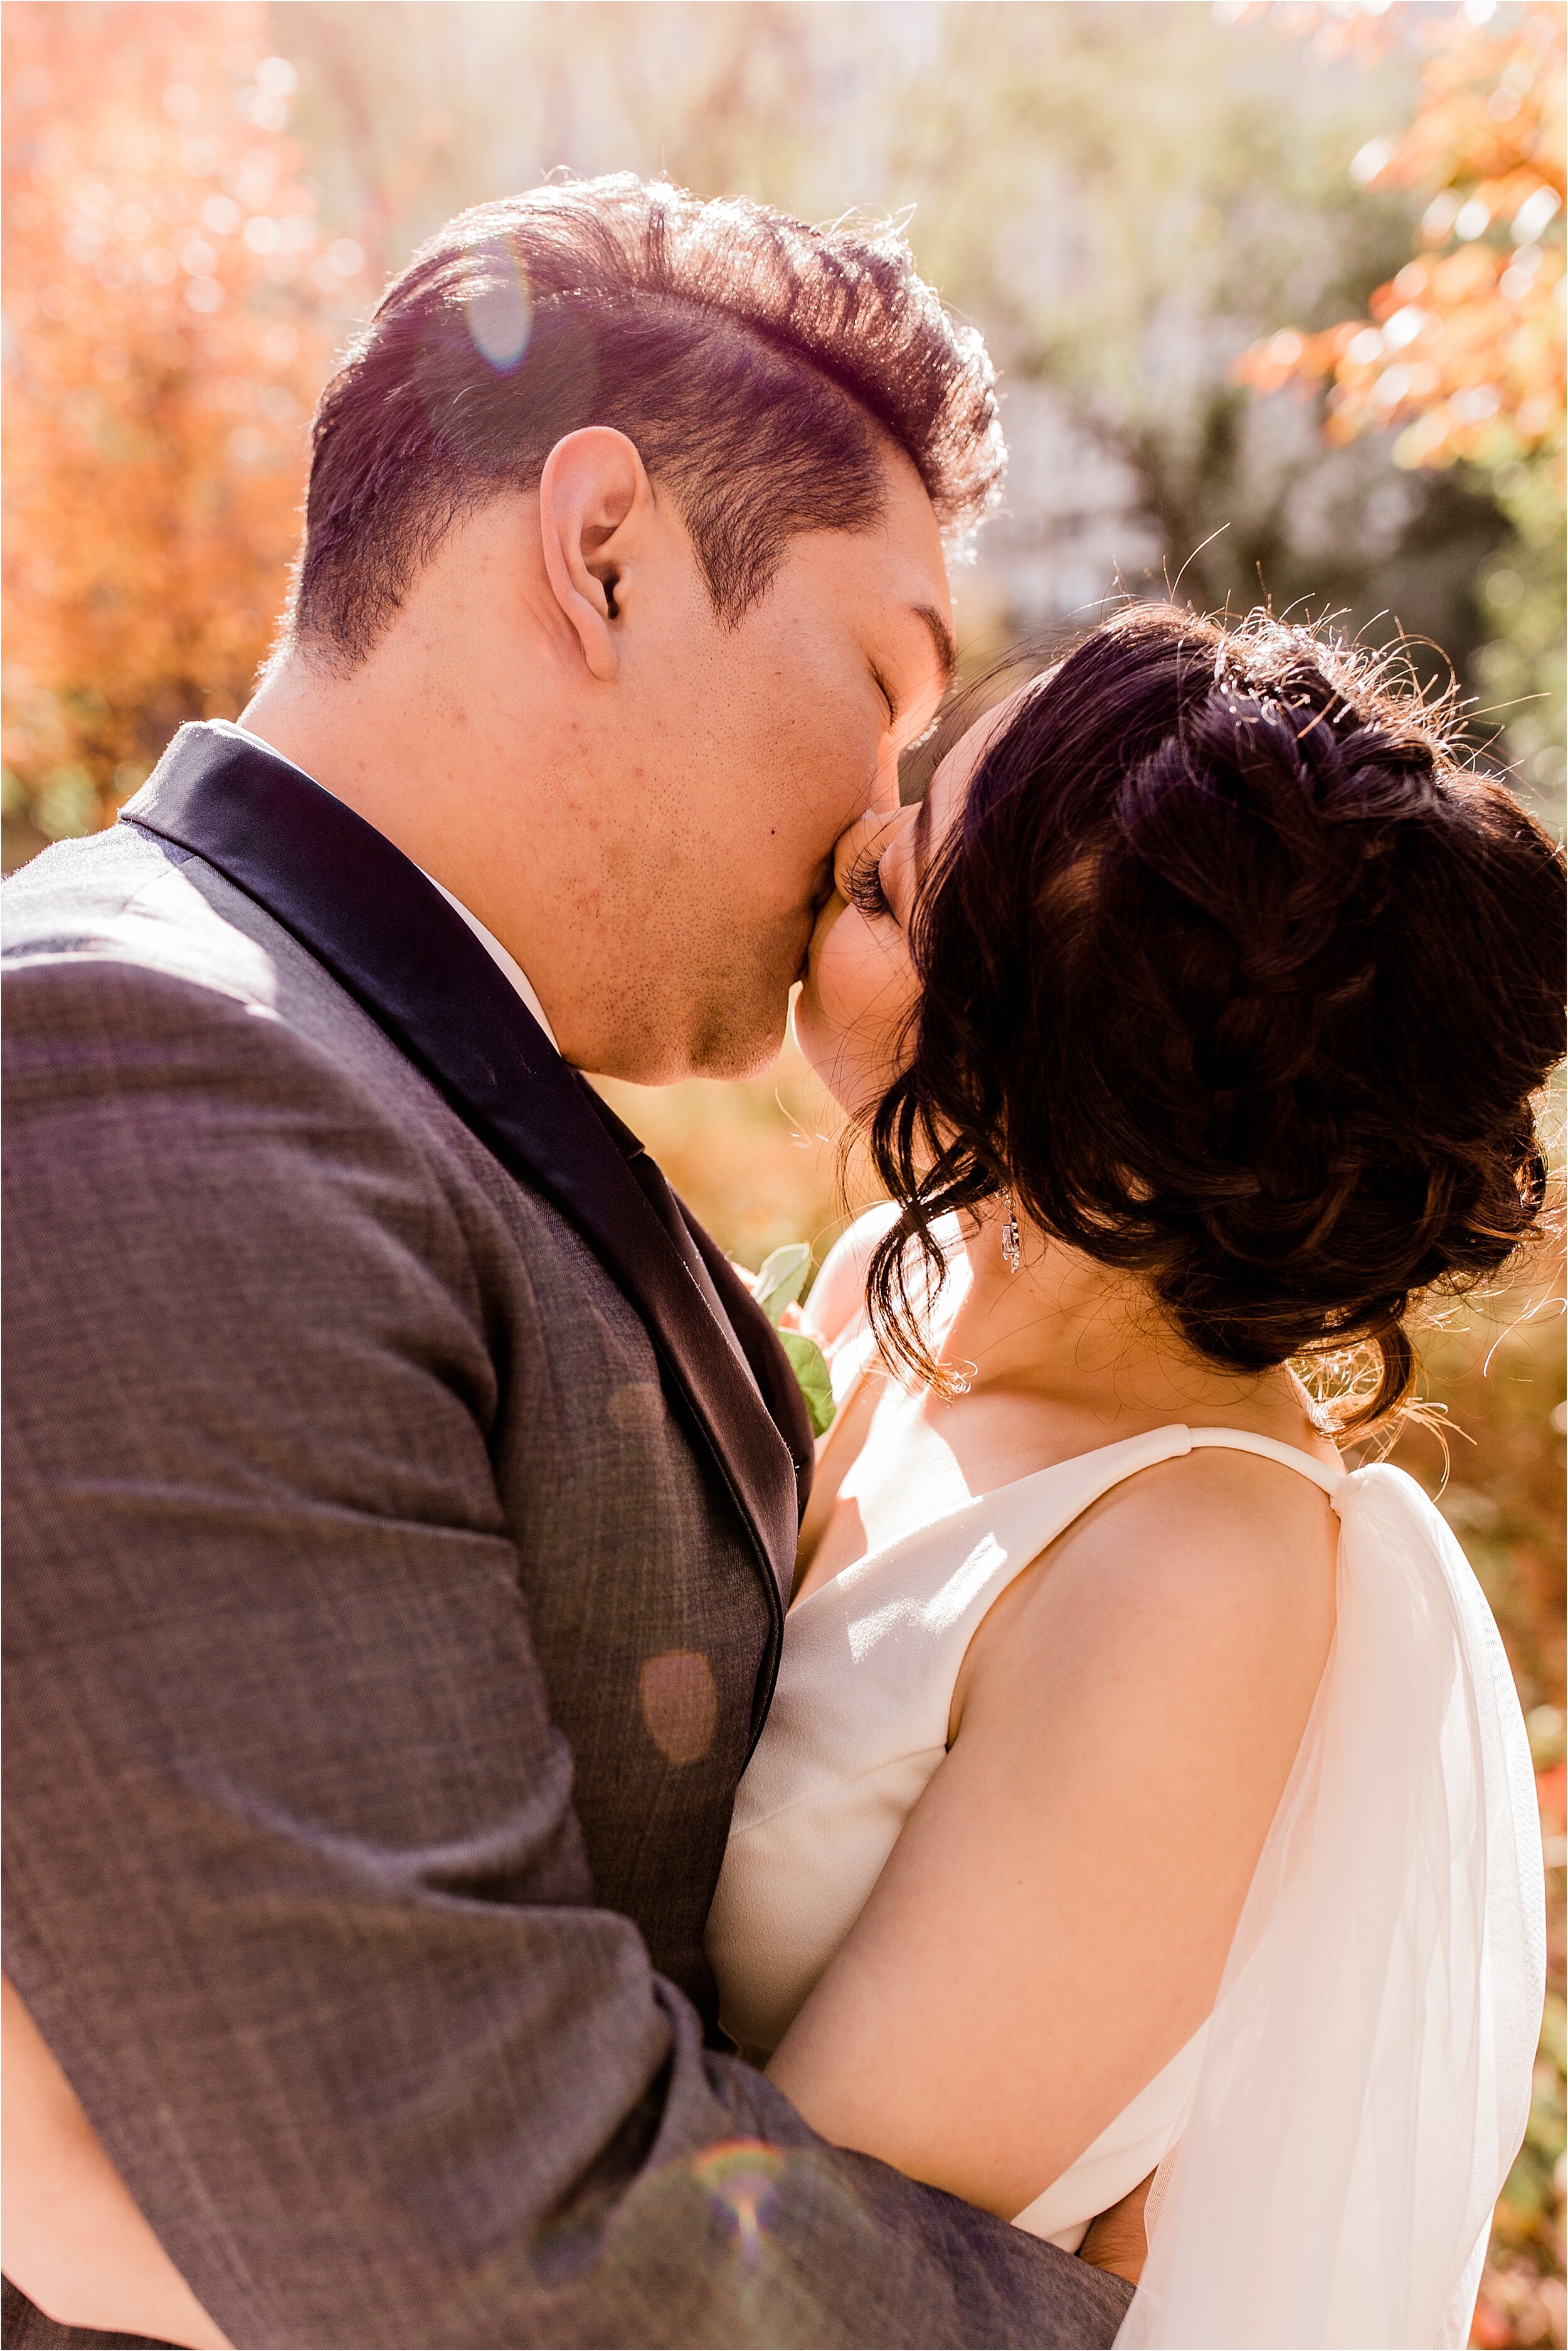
1242, 983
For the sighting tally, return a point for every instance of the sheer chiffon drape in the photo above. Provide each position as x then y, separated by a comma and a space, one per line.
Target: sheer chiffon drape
1367, 2078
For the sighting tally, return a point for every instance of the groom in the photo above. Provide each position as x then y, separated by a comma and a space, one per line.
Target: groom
403, 1488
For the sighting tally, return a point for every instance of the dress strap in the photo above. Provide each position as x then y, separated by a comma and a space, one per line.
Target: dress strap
1288, 1457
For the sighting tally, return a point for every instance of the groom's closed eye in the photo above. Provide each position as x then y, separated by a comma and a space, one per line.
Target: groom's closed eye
918, 686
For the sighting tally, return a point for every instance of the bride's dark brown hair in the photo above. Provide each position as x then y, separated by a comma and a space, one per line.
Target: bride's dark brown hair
1241, 982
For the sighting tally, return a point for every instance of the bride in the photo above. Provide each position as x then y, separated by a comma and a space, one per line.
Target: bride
1144, 1791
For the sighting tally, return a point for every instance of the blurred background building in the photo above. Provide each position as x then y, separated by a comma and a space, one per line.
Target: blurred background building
1276, 292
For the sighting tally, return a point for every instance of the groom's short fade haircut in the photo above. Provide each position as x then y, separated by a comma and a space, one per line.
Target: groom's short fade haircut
760, 367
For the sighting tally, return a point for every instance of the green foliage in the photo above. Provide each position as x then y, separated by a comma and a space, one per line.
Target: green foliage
811, 1370
1519, 665
782, 1278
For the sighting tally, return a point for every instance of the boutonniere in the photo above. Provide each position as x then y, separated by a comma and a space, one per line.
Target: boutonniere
779, 1283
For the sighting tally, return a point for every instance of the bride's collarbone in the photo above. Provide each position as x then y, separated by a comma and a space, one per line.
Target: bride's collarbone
898, 1459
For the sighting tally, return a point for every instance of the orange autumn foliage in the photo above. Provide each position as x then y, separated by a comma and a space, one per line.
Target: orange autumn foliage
171, 310
1464, 348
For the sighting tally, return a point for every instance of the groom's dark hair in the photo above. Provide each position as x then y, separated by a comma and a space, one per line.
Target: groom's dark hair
760, 367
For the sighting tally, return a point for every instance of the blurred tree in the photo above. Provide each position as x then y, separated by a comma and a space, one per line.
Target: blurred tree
1123, 197
1465, 345
170, 310
1460, 351
443, 103
1142, 189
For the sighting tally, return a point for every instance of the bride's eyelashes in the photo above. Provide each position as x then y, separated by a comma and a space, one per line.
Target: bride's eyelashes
865, 891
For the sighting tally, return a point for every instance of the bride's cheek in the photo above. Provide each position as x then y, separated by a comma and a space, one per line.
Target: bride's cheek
839, 972
858, 991
819, 1011
891, 987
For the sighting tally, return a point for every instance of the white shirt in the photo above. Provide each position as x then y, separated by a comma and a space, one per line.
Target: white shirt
499, 954
486, 938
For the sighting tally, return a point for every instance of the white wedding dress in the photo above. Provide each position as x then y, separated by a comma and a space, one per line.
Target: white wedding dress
1331, 2143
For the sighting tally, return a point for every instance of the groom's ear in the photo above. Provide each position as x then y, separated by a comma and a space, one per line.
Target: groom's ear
594, 492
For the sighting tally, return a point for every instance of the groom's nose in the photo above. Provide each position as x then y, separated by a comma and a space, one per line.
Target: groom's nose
883, 797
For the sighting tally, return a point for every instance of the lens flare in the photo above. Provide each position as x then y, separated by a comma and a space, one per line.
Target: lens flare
497, 306
741, 2176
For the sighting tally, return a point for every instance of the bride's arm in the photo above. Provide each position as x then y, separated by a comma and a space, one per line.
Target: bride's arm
1053, 1923
76, 2244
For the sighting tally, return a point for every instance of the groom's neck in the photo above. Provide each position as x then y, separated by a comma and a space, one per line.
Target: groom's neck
394, 742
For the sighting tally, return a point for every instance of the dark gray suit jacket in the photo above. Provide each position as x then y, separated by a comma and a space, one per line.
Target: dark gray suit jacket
396, 1549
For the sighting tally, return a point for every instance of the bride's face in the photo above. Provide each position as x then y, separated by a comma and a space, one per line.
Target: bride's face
859, 990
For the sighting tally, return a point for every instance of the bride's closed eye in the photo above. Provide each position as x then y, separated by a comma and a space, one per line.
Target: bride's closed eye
865, 889
861, 873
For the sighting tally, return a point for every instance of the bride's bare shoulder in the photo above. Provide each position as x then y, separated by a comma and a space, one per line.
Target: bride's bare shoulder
838, 1295
1217, 1568
837, 1298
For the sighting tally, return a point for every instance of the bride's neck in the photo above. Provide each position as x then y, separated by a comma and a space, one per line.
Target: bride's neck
1063, 1327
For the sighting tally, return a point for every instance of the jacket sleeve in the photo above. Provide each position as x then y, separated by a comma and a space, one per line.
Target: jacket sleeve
293, 1886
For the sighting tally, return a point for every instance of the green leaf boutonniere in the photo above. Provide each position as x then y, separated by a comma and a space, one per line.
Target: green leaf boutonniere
778, 1285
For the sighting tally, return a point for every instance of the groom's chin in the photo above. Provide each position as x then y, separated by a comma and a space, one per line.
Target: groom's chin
737, 1029
728, 1040
728, 1045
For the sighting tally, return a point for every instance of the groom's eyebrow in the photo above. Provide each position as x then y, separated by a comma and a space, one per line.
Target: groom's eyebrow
943, 640
946, 654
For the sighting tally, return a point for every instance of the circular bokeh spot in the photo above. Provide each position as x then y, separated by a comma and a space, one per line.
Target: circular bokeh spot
680, 1704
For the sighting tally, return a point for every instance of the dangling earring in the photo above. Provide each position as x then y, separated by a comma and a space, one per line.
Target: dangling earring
1012, 1249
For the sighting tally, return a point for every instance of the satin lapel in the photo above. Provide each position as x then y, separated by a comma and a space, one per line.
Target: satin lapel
769, 1364
367, 913
774, 1372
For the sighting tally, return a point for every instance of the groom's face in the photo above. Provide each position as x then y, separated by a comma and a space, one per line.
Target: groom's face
748, 750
